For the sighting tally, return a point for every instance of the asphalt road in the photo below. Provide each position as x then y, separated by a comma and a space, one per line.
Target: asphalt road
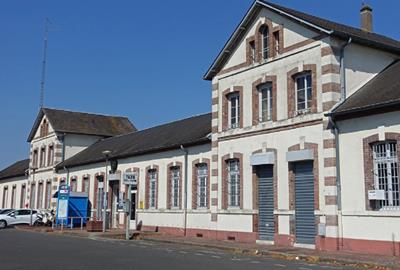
33, 250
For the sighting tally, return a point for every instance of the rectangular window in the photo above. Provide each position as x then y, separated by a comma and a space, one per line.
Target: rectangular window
202, 175
35, 158
304, 92
85, 185
42, 157
48, 195
234, 110
73, 185
23, 195
153, 188
5, 197
40, 196
265, 95
33, 196
233, 183
277, 41
50, 159
252, 46
100, 197
13, 194
386, 174
175, 186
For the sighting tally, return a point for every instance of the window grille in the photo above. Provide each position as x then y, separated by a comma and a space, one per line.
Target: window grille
386, 174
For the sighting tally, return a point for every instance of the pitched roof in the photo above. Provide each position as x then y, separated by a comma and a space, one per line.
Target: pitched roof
186, 132
83, 123
382, 93
319, 24
17, 169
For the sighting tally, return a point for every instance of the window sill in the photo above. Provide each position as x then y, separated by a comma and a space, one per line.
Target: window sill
238, 211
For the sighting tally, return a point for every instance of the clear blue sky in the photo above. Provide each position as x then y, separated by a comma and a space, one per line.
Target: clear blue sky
142, 59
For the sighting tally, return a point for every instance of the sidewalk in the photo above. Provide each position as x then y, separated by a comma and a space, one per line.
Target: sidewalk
341, 258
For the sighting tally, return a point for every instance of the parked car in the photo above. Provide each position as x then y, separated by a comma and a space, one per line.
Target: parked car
20, 216
5, 211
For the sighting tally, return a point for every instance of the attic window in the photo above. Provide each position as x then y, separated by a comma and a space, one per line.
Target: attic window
44, 129
264, 31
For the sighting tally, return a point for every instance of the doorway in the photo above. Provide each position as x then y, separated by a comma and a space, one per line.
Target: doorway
132, 224
266, 224
304, 203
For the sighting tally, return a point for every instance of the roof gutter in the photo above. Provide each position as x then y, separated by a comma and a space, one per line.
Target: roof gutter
294, 17
343, 70
224, 50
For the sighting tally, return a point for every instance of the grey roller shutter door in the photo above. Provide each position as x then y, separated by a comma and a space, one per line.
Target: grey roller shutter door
304, 190
266, 225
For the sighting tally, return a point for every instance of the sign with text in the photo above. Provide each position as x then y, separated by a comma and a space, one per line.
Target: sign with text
130, 178
62, 206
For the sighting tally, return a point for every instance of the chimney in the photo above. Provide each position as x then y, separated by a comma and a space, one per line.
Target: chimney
366, 18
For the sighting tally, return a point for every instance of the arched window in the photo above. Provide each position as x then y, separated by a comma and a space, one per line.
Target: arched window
264, 31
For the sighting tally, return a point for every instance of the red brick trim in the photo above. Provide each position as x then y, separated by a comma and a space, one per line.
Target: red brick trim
369, 179
96, 189
312, 68
281, 48
225, 106
326, 106
329, 143
249, 61
271, 130
331, 87
330, 181
330, 69
195, 163
258, 40
303, 43
325, 51
224, 160
147, 186
170, 166
83, 186
256, 98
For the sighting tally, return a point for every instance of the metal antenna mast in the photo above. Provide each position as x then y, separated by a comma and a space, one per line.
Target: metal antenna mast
43, 79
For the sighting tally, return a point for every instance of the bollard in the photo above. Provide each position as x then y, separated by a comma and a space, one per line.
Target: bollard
62, 224
81, 223
72, 223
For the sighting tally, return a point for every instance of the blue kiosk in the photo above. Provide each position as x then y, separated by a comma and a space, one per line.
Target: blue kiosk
72, 207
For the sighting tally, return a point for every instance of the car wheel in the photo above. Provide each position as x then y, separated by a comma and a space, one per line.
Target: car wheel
3, 224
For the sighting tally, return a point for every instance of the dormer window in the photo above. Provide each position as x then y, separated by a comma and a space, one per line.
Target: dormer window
264, 31
44, 128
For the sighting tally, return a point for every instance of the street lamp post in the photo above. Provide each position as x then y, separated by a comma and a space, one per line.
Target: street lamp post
106, 153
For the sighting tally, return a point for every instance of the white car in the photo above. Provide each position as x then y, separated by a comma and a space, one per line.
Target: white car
20, 216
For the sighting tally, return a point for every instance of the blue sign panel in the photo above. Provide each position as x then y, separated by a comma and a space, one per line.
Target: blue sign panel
62, 205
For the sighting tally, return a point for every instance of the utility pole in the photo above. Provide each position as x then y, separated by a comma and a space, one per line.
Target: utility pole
44, 61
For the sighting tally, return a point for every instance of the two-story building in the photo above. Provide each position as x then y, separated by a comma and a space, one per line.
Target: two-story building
300, 149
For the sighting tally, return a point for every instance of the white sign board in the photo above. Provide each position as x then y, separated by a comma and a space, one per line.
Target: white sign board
130, 178
376, 194
62, 208
113, 177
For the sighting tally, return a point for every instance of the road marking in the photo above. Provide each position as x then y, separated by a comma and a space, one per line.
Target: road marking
254, 262
236, 259
183, 252
280, 265
199, 254
216, 257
